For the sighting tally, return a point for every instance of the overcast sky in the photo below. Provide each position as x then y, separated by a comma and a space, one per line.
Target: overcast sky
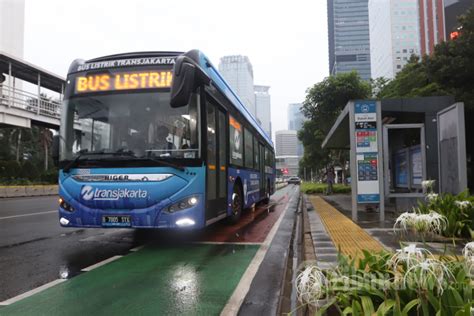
286, 41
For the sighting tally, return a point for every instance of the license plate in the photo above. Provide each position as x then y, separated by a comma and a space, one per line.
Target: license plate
116, 221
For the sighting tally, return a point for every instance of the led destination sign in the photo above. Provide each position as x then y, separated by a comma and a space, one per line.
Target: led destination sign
124, 81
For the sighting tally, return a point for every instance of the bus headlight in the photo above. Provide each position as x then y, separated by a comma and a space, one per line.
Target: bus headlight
65, 205
183, 204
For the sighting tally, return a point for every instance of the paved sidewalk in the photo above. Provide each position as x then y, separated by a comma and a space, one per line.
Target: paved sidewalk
331, 220
347, 236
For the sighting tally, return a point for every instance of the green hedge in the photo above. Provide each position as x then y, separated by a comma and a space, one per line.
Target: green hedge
313, 188
26, 173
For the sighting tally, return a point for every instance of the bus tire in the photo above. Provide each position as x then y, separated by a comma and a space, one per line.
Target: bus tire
237, 205
266, 200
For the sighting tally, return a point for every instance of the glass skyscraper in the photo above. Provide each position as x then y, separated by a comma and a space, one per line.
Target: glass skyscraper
349, 44
263, 108
295, 123
238, 72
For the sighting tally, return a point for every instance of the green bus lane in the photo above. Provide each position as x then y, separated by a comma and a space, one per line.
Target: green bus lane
191, 280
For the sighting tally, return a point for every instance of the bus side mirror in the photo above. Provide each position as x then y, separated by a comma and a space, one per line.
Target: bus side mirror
55, 150
187, 76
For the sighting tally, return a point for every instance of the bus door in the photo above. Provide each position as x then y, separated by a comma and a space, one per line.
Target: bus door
262, 170
216, 167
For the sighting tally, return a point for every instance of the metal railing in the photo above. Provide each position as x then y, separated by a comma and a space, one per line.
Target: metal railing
24, 100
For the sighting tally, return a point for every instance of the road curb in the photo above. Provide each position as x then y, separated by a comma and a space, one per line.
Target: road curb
8, 191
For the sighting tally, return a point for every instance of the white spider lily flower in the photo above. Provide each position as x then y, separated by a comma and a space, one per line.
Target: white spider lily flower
409, 255
405, 221
432, 222
427, 184
463, 204
427, 275
468, 253
310, 284
431, 196
422, 223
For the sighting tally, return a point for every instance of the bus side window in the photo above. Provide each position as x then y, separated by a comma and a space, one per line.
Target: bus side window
248, 141
256, 161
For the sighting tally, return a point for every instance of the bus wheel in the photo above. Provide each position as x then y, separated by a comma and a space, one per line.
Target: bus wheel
266, 200
237, 205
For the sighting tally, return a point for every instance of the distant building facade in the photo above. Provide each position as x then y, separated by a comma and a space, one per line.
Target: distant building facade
394, 35
238, 72
295, 116
432, 28
287, 166
12, 27
286, 143
348, 35
263, 108
295, 122
12, 30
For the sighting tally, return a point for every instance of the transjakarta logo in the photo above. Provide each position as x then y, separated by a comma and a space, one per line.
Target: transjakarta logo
89, 193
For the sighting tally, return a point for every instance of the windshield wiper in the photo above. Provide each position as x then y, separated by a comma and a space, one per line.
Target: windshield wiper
85, 152
81, 153
120, 153
148, 157
164, 162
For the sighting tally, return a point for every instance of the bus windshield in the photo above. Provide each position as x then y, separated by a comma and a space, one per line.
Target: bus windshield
143, 125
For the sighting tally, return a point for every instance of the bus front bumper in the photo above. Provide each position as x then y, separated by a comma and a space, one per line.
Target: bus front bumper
157, 216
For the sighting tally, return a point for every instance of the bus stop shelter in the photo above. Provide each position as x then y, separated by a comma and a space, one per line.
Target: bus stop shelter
398, 143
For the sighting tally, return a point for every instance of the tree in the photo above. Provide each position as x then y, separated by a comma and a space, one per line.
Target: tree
452, 64
324, 101
412, 81
46, 139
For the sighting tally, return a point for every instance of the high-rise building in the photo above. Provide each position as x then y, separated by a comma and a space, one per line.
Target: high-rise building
12, 30
431, 19
286, 143
295, 122
238, 72
295, 116
263, 108
394, 35
349, 45
12, 27
452, 10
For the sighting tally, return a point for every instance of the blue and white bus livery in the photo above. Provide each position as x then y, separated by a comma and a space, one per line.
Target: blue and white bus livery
157, 140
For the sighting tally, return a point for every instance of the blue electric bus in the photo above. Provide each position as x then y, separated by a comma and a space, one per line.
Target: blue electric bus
157, 140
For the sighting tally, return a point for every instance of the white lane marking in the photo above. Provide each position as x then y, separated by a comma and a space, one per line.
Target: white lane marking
31, 292
235, 301
99, 264
137, 248
30, 214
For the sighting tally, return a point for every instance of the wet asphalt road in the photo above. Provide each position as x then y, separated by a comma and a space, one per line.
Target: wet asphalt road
35, 250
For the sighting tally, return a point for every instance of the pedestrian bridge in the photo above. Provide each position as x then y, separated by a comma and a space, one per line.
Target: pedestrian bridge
19, 107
